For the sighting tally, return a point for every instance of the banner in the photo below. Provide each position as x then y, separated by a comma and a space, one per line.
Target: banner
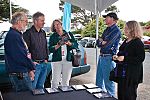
67, 17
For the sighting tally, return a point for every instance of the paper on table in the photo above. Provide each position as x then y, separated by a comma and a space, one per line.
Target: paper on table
52, 90
95, 90
78, 87
38, 91
65, 88
102, 95
91, 85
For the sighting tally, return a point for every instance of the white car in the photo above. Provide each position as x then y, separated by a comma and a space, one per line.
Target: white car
146, 41
77, 36
87, 41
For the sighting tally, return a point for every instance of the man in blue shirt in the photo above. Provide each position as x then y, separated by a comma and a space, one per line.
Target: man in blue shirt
108, 44
18, 64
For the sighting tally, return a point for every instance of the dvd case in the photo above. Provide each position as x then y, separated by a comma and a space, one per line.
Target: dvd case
38, 91
65, 88
78, 87
102, 95
91, 85
52, 90
95, 90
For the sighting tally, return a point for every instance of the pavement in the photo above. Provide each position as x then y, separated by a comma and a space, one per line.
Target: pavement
143, 89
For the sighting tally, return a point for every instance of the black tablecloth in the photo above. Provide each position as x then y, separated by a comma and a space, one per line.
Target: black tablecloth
72, 95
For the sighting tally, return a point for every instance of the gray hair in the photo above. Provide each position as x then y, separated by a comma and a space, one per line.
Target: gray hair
17, 16
37, 15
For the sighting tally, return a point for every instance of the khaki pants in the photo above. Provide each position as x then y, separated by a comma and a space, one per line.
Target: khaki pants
61, 73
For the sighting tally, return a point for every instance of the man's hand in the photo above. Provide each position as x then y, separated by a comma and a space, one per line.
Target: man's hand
45, 61
31, 74
104, 42
35, 63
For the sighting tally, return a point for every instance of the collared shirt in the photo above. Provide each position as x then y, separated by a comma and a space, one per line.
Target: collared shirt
112, 36
37, 43
16, 59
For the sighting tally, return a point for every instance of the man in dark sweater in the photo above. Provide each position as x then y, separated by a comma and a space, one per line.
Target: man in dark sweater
19, 66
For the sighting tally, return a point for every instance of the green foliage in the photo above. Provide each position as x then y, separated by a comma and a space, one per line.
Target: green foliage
146, 33
147, 23
79, 15
90, 29
112, 8
142, 23
121, 25
5, 7
76, 31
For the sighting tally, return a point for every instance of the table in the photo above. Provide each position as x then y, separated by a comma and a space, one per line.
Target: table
72, 95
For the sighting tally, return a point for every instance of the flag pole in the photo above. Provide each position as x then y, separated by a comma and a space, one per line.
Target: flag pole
10, 9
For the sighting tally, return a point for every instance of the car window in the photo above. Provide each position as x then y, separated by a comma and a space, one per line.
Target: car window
3, 34
91, 40
86, 40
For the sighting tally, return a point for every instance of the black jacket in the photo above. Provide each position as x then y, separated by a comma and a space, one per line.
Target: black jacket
134, 56
37, 43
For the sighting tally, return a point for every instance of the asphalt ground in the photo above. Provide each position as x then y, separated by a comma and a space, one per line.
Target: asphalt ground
143, 89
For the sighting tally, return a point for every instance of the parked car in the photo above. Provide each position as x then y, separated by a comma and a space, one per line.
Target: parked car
94, 43
146, 41
87, 42
5, 81
77, 36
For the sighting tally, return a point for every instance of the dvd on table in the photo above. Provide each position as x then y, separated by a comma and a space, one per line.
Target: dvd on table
91, 85
78, 87
38, 91
95, 90
65, 88
102, 95
52, 90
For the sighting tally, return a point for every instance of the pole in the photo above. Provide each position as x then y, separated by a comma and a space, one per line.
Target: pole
10, 9
97, 22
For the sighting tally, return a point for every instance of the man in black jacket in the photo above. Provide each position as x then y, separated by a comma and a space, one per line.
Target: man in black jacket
35, 37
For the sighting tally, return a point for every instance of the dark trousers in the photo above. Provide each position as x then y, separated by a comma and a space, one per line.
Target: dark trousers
127, 92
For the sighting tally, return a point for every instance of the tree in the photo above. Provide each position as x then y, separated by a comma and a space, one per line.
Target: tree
90, 29
5, 7
80, 16
112, 8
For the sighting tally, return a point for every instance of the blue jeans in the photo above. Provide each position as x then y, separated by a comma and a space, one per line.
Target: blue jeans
105, 65
40, 76
21, 84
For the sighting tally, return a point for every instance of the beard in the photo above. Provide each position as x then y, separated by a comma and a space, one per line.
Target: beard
23, 29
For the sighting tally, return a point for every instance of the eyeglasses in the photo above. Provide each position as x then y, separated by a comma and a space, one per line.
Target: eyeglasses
25, 21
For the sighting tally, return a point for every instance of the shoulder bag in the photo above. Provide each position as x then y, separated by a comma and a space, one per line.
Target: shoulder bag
76, 57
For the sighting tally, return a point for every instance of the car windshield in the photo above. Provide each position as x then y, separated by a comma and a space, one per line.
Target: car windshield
91, 40
3, 34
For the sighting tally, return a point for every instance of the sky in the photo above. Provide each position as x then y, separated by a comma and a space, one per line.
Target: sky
129, 9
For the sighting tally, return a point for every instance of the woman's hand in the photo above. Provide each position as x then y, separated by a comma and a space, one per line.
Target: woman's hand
115, 57
119, 58
68, 43
57, 46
